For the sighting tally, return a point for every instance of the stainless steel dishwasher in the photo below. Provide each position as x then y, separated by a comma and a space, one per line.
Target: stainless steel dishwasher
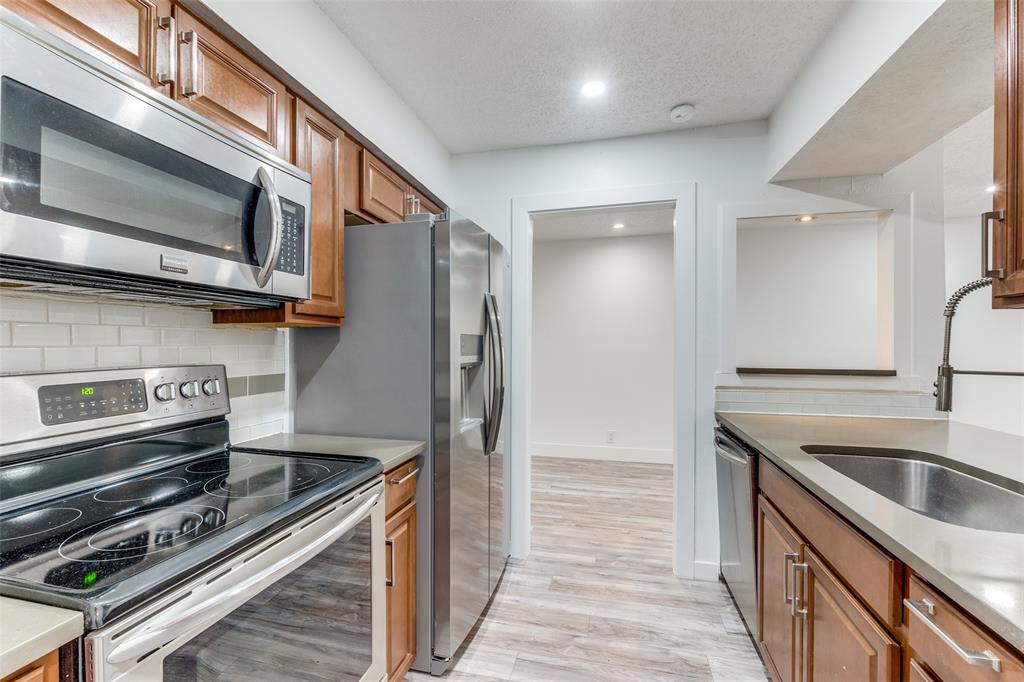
737, 490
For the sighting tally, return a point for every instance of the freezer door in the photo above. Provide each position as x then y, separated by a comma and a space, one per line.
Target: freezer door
498, 377
461, 586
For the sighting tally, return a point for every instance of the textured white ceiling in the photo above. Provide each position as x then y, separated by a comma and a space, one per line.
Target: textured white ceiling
938, 79
967, 166
507, 73
594, 223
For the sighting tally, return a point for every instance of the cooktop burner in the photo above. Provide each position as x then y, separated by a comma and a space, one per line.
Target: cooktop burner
94, 540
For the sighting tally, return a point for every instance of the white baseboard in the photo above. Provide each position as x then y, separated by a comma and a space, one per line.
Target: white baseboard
610, 453
705, 570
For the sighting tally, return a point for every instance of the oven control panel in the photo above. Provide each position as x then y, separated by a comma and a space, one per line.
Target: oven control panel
293, 239
63, 403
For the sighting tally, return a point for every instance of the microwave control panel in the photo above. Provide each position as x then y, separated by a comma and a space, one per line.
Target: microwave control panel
293, 239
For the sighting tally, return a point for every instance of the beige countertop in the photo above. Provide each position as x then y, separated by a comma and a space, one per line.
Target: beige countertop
391, 453
981, 570
29, 631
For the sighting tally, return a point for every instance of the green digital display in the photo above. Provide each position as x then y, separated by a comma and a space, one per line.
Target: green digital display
91, 576
88, 390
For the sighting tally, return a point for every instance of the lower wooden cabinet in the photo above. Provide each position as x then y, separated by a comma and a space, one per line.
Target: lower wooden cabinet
841, 639
45, 669
401, 590
779, 547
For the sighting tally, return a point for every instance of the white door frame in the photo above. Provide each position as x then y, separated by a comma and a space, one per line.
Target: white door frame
684, 347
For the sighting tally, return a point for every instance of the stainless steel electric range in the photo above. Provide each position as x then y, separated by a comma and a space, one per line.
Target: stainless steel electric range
120, 496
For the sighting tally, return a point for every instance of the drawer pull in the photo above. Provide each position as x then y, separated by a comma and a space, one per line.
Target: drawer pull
389, 544
403, 479
797, 607
925, 609
787, 559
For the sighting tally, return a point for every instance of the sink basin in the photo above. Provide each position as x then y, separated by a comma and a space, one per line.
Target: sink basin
933, 486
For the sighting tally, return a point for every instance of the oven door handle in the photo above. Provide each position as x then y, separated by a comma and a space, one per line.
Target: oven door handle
157, 632
274, 249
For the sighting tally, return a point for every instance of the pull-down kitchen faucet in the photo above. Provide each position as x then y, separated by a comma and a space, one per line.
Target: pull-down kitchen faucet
944, 383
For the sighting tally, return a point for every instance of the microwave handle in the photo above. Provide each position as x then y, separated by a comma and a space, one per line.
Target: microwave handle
274, 250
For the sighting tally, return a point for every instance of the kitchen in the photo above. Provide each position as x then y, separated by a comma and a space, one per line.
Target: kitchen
218, 216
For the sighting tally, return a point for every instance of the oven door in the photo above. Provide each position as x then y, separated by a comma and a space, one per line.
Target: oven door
307, 603
97, 176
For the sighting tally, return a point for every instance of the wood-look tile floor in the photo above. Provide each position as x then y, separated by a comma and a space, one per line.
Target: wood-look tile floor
596, 601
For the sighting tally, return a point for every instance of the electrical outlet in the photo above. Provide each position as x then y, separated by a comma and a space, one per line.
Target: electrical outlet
610, 438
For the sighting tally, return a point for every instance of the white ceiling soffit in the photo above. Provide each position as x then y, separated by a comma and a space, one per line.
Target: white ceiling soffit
938, 79
967, 166
638, 220
507, 73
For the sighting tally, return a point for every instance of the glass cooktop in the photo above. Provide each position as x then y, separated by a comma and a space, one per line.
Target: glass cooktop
91, 541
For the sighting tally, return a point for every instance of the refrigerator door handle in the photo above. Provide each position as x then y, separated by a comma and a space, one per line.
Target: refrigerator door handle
497, 345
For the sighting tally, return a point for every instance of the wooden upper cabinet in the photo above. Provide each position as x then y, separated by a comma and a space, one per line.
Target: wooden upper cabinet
216, 80
123, 33
842, 640
318, 151
1008, 158
383, 191
779, 632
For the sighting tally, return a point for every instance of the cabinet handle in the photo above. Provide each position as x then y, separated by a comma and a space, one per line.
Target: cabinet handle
415, 204
796, 606
191, 38
390, 545
787, 558
986, 221
925, 609
170, 75
403, 479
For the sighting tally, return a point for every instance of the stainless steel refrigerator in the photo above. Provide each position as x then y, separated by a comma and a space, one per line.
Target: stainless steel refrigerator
422, 356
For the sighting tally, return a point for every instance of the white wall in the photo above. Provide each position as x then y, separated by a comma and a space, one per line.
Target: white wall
64, 333
602, 348
326, 62
807, 295
727, 165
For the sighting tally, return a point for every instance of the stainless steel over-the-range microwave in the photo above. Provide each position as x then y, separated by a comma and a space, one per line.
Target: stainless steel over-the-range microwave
108, 184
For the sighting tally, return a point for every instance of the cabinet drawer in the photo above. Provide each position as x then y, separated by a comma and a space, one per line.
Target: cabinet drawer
929, 648
45, 669
874, 576
400, 485
917, 673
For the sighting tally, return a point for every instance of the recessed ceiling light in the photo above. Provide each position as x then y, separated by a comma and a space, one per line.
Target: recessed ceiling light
991, 189
805, 219
618, 226
592, 88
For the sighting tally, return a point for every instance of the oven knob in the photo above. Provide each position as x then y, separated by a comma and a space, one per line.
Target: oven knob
164, 392
189, 389
211, 386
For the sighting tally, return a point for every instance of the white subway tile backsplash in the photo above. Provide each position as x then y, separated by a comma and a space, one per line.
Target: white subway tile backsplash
5, 333
162, 317
191, 317
40, 334
21, 359
857, 403
159, 355
223, 354
16, 309
140, 336
122, 314
75, 357
118, 356
94, 335
179, 337
73, 312
193, 354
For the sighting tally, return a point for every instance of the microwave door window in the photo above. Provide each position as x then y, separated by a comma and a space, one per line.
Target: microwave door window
68, 166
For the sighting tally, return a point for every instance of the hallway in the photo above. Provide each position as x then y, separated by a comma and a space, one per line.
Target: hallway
596, 601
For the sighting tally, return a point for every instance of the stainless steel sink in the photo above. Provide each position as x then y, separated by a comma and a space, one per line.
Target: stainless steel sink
933, 486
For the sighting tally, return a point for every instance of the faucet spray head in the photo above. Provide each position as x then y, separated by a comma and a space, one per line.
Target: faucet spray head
944, 389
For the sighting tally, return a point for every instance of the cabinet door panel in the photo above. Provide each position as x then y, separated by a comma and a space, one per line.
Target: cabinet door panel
45, 669
916, 673
318, 151
120, 32
218, 81
1008, 157
383, 191
778, 631
842, 640
401, 593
